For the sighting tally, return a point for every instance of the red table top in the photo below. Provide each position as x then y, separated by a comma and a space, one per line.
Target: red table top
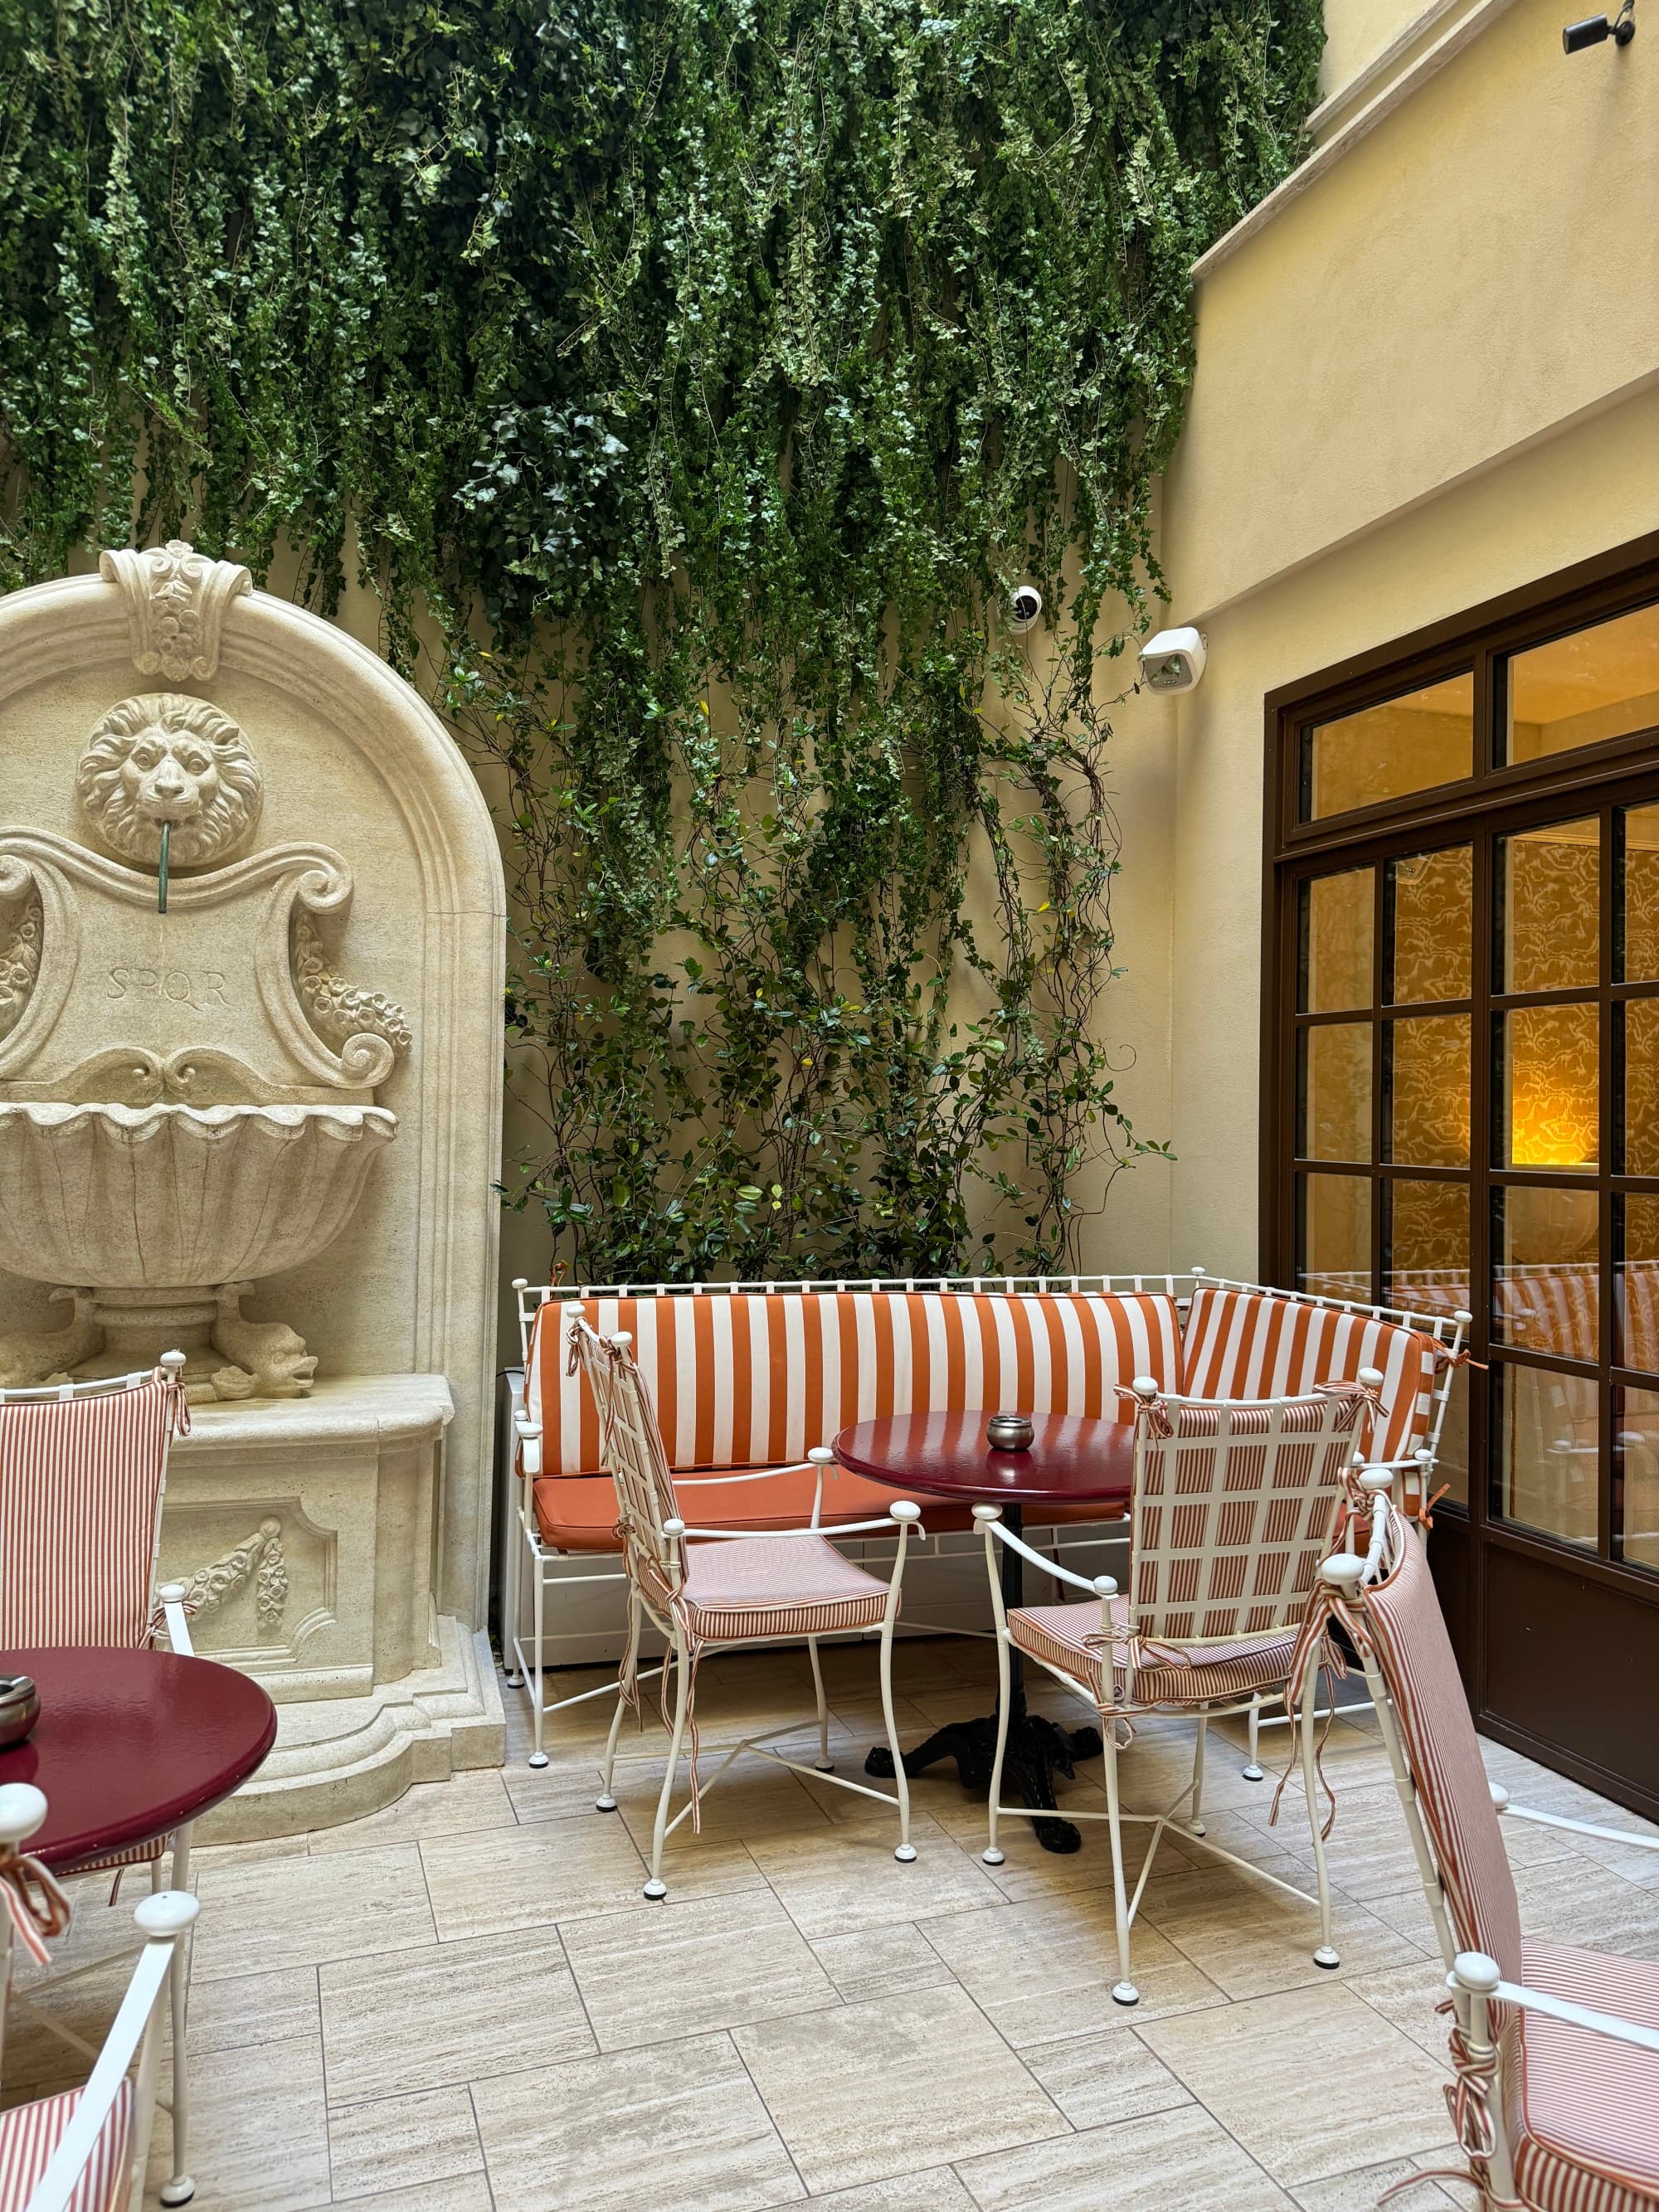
1071, 1461
129, 1744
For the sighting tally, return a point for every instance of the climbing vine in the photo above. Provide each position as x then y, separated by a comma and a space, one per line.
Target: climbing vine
692, 380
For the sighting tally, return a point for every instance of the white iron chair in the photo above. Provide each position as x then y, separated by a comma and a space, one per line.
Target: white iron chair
82, 1476
1555, 2049
1231, 1513
720, 1591
87, 2150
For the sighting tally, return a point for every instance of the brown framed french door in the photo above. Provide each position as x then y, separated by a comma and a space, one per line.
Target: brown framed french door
1460, 1107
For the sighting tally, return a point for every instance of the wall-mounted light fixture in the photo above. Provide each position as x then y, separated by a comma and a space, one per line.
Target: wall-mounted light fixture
1594, 29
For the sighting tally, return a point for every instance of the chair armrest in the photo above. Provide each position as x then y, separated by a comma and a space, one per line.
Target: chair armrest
1576, 2015
530, 1444
894, 1520
988, 1517
755, 1474
172, 1597
1503, 1802
164, 1920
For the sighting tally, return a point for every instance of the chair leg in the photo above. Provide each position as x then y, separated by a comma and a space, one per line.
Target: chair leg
180, 2185
512, 1567
538, 1592
992, 1854
657, 1888
905, 1852
1327, 1954
825, 1765
1124, 1991
1195, 1821
1252, 1771
606, 1801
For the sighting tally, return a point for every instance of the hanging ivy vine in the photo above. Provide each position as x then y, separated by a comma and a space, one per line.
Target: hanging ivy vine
693, 381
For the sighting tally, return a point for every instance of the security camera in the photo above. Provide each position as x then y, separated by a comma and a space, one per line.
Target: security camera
1594, 29
1172, 661
1024, 608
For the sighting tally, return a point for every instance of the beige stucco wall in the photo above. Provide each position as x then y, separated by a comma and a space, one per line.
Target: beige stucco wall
1430, 380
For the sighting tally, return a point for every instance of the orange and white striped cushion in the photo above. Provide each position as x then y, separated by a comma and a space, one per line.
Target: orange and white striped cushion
29, 2134
1584, 2111
756, 1379
765, 1586
1059, 1634
81, 1483
1248, 1344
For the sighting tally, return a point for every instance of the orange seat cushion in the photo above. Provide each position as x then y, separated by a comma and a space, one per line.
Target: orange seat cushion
577, 1512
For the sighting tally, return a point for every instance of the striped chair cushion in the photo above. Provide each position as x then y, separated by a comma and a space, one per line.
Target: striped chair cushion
29, 2135
752, 1379
765, 1586
1443, 1755
1059, 1634
1248, 1344
81, 1485
1584, 2117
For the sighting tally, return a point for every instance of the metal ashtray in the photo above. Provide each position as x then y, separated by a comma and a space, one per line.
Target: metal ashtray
19, 1708
1009, 1432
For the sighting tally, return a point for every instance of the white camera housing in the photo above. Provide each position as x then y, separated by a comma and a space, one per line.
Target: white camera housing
1023, 609
1173, 660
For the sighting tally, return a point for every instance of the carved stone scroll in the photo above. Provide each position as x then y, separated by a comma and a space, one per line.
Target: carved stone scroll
259, 1556
176, 600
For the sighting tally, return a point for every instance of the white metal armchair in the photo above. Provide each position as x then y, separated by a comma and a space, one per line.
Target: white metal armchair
1232, 1511
87, 2150
708, 1590
1555, 2049
82, 1476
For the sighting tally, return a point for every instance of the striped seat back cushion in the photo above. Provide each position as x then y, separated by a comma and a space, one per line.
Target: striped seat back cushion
1444, 1753
1248, 1344
81, 1482
756, 1379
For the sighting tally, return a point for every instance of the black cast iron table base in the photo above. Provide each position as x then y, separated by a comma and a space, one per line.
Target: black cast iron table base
1038, 1749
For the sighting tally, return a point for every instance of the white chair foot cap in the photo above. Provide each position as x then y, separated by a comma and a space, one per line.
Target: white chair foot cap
825, 1766
538, 1759
513, 1681
656, 1891
993, 1857
1254, 1774
1324, 1956
1125, 1993
605, 1804
179, 2190
905, 1854
1196, 1829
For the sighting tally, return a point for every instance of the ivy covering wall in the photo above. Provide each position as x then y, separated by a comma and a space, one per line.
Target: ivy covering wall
692, 380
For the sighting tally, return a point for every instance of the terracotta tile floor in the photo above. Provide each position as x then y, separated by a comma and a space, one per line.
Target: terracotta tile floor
464, 2002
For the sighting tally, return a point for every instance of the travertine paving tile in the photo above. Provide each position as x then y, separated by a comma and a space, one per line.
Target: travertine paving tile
686, 1968
892, 2087
1363, 2191
1106, 2076
1369, 1851
1258, 2066
258, 2132
880, 1962
753, 1797
938, 2192
1045, 1969
1179, 2159
848, 1879
1407, 1997
1250, 1938
249, 2010
530, 1877
565, 1790
466, 2192
299, 1912
1573, 1900
464, 1803
662, 2130
449, 2014
403, 2142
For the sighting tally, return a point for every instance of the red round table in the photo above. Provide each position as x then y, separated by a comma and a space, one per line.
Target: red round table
130, 1744
1071, 1461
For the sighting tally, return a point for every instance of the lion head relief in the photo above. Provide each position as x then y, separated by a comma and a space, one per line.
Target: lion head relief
162, 757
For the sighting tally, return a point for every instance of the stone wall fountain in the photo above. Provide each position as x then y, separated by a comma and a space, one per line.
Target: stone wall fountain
213, 1138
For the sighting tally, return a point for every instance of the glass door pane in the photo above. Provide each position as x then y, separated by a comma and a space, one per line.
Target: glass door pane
1636, 1477
1335, 1092
1597, 684
1551, 1086
1334, 1239
1428, 1261
1429, 906
1406, 744
1428, 1091
1550, 883
1638, 898
1336, 932
1639, 1283
1546, 1296
1549, 1451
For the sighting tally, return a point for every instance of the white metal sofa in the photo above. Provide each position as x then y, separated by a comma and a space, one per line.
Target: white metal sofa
751, 1381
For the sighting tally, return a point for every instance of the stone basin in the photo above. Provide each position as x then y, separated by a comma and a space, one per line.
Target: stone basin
169, 1197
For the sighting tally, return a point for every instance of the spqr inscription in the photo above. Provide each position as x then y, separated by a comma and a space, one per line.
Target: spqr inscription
198, 989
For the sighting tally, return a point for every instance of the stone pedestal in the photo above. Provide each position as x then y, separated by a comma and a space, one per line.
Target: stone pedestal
303, 1530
